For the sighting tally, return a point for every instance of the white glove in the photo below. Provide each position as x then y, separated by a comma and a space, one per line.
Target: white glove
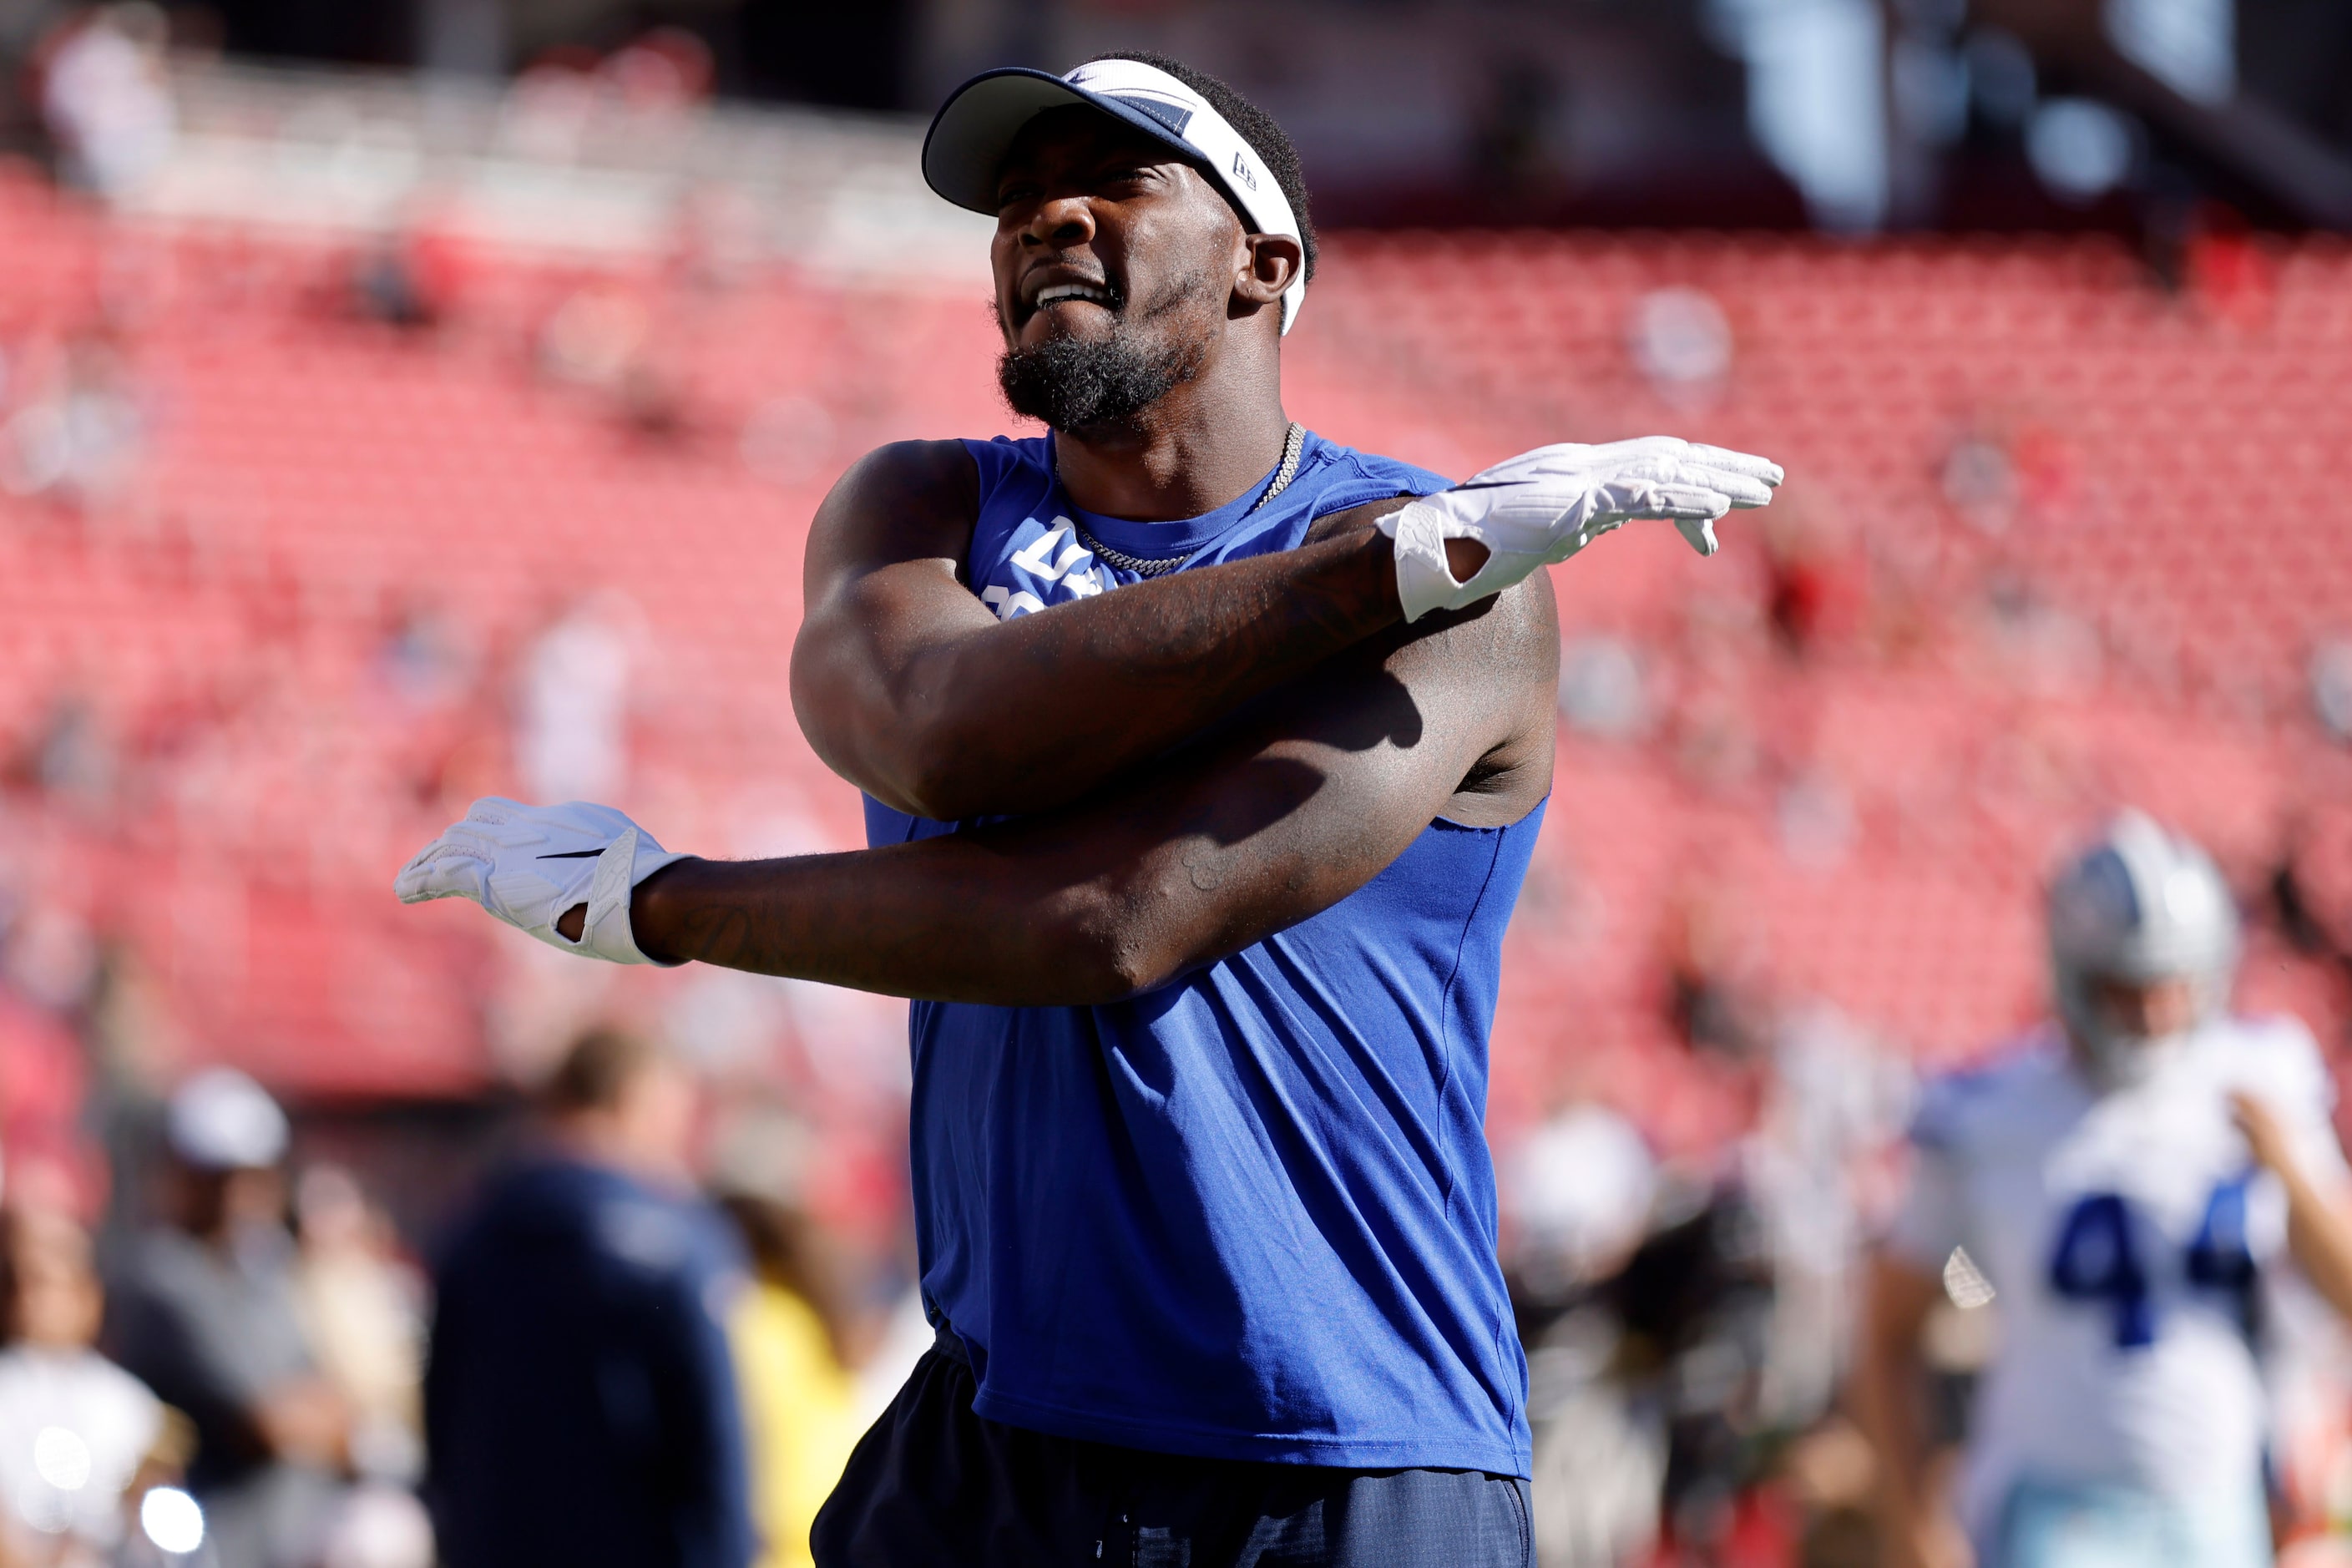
531, 864
1544, 506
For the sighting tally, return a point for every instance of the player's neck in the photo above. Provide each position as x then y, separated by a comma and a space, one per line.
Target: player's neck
1203, 445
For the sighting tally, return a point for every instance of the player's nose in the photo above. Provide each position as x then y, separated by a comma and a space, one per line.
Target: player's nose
1060, 223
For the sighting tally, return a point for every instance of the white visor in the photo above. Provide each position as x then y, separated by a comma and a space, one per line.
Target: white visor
975, 129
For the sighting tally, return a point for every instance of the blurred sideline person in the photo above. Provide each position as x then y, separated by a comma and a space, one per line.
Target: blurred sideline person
68, 1414
791, 1333
204, 1312
2130, 1181
362, 1306
1204, 758
579, 1401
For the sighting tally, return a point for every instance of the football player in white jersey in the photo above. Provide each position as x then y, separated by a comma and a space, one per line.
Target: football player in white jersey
2130, 1179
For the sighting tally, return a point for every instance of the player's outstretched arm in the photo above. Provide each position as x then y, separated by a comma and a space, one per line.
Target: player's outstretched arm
911, 688
1304, 799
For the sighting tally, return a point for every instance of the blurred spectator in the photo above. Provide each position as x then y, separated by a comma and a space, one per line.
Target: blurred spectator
790, 1334
75, 1431
1819, 1166
2331, 687
107, 97
204, 1311
1578, 1192
73, 757
410, 277
1815, 588
596, 337
81, 439
363, 1307
1580, 1189
572, 741
579, 1400
1695, 1303
665, 71
426, 661
1681, 341
1709, 950
1981, 482
602, 339
1601, 692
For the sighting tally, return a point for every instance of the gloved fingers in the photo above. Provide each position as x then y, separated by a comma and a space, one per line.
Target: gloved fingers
1694, 503
495, 825
1699, 534
443, 869
1741, 489
1728, 461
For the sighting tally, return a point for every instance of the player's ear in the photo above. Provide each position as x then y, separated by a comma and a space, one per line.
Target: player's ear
1269, 265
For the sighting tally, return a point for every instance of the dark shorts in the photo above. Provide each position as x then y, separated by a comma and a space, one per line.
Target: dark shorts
934, 1484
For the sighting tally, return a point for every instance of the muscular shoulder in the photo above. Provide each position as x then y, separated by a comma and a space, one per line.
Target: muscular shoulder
911, 500
928, 474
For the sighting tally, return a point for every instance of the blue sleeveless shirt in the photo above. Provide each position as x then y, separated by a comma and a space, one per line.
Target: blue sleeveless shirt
1250, 1215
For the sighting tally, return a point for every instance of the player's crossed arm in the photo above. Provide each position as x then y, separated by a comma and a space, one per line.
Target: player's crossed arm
1301, 801
910, 688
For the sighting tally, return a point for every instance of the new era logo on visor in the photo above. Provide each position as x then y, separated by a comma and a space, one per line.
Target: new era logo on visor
1242, 172
1175, 116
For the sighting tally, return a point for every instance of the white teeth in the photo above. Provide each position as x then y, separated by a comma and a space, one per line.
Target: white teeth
1058, 291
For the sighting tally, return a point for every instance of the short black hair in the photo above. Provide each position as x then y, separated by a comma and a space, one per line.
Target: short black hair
1256, 127
597, 1072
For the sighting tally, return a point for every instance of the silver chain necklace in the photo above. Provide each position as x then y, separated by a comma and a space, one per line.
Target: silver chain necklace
1293, 446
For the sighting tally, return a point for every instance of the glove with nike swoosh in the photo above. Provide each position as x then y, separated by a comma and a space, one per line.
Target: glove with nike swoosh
529, 865
1544, 506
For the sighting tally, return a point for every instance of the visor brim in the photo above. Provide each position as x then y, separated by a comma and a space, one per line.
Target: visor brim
965, 148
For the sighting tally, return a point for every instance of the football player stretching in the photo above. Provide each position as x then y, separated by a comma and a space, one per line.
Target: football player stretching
2129, 1180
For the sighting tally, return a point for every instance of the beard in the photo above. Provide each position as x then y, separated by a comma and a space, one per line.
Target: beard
1073, 384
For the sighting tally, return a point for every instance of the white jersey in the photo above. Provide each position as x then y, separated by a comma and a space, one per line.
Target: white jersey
2128, 1236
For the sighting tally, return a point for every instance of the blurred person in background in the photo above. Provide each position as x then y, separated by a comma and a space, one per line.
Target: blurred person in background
82, 437
2132, 1180
581, 1406
573, 697
1578, 1193
80, 1438
204, 1311
364, 1306
106, 96
793, 1332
